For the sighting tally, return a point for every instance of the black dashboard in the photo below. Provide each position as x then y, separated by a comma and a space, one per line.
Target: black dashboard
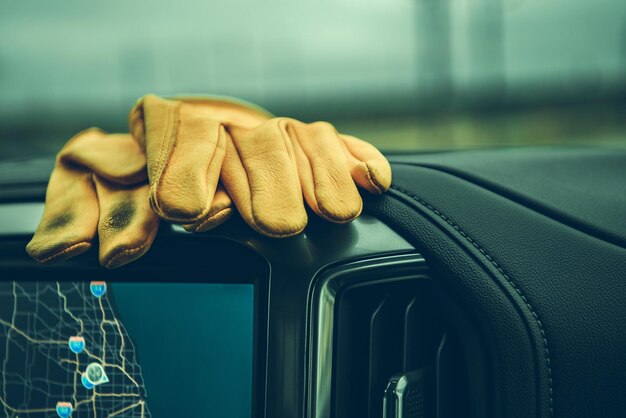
329, 304
484, 284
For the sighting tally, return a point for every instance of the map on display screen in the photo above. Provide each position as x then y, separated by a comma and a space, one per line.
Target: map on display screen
138, 350
65, 351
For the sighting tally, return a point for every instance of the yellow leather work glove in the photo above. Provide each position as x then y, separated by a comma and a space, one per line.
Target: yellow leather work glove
98, 185
269, 168
266, 164
184, 142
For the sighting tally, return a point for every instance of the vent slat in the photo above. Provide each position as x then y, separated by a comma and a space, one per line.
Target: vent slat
388, 330
423, 331
377, 353
386, 347
450, 375
352, 352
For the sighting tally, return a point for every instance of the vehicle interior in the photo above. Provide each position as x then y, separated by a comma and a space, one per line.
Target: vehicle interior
489, 281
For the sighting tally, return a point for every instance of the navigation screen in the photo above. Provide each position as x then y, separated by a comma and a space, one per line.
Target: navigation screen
96, 349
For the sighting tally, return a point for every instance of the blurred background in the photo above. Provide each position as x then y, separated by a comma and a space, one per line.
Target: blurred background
403, 74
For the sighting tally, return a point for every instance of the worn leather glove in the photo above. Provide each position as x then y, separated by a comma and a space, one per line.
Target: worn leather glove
99, 183
266, 164
98, 186
185, 141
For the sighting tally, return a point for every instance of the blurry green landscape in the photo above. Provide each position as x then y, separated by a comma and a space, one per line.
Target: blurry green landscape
598, 125
594, 125
403, 74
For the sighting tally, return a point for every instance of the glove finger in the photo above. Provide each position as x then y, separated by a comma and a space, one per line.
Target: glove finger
185, 149
127, 226
368, 167
221, 210
70, 216
261, 177
324, 172
116, 157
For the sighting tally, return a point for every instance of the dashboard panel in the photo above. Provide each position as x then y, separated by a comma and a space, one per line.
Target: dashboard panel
211, 280
485, 283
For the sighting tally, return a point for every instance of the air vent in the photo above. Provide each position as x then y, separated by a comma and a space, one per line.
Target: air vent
389, 333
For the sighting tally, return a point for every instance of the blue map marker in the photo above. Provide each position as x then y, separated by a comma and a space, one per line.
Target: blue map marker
77, 344
95, 374
64, 409
98, 289
86, 383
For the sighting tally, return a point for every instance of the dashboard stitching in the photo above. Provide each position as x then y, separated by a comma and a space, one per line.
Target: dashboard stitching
528, 202
506, 276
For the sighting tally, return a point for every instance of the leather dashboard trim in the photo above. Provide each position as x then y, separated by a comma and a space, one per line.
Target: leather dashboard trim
504, 275
542, 357
526, 201
547, 297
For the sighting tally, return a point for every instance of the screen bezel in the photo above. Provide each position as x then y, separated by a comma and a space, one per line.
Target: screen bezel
173, 258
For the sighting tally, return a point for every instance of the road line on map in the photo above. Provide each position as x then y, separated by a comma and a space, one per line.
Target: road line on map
80, 321
25, 411
104, 336
140, 403
123, 344
93, 400
6, 359
28, 337
76, 374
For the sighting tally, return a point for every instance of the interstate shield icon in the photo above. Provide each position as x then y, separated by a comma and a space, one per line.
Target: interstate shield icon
98, 289
64, 409
77, 344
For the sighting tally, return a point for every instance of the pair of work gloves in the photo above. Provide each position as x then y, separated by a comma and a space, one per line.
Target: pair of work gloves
189, 161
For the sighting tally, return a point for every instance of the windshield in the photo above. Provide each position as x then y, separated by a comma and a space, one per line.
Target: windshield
402, 74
